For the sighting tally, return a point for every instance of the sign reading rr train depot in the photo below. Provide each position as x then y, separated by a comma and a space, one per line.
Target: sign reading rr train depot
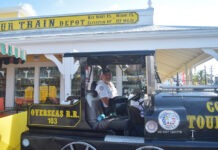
45, 115
69, 21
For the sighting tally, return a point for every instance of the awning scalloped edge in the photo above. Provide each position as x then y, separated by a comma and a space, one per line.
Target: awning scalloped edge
10, 53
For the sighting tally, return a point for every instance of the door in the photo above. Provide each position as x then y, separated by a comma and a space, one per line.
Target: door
2, 88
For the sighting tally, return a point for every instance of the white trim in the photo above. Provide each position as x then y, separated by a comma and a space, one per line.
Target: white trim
36, 84
9, 95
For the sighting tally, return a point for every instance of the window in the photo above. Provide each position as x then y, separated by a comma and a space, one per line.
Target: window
134, 78
49, 82
76, 83
24, 85
2, 82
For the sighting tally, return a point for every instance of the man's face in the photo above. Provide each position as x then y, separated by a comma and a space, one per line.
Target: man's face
107, 77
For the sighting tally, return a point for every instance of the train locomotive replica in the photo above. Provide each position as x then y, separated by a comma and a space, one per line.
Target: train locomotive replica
174, 117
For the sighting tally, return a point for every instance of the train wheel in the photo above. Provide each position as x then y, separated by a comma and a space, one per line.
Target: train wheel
149, 148
78, 146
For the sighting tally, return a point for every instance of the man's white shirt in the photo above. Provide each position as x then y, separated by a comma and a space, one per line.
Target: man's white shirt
106, 90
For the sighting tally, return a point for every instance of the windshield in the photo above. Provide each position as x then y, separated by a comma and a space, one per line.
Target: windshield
126, 78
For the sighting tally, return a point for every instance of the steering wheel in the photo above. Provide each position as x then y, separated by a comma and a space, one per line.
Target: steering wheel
136, 97
72, 99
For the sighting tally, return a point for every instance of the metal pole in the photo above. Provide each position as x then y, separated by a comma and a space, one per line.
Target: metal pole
150, 75
205, 75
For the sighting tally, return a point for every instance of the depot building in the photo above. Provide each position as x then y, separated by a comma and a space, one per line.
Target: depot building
46, 38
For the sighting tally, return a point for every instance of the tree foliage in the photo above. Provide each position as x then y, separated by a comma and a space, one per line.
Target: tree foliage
201, 78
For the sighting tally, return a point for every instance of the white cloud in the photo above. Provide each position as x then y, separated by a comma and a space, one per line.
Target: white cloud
196, 12
113, 7
28, 7
60, 2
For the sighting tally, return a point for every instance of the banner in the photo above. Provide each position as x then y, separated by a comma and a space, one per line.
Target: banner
69, 21
56, 116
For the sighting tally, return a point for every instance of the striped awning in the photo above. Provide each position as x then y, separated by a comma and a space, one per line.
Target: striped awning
10, 54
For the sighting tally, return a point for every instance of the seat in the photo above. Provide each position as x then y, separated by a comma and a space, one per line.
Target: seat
93, 110
20, 102
2, 108
29, 101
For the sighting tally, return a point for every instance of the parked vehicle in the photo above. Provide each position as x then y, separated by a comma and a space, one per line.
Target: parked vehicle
179, 117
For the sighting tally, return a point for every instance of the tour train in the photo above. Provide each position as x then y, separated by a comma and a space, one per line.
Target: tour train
174, 117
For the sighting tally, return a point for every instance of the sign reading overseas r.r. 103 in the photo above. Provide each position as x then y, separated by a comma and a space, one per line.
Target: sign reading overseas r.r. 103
58, 116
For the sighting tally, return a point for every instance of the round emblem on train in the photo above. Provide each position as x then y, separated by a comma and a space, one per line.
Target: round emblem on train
169, 119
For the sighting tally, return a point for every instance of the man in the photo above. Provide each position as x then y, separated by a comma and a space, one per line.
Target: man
95, 116
108, 94
112, 103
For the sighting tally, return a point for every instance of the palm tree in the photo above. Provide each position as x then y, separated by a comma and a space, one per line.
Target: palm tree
201, 78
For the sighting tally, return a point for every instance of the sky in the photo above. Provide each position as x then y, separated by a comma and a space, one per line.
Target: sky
166, 12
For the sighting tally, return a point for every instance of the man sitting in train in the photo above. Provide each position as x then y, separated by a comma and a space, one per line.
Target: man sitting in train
97, 119
103, 104
112, 103
131, 125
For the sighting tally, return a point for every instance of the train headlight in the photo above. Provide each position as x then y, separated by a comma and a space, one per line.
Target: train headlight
151, 126
26, 142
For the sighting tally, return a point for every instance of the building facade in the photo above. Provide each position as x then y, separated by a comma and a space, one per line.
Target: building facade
46, 73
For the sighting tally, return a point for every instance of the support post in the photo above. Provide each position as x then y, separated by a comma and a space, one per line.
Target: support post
119, 79
150, 72
68, 68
